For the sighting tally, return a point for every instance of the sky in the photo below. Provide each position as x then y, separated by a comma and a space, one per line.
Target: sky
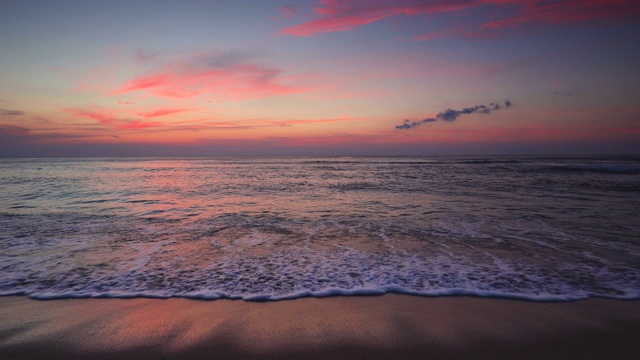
319, 77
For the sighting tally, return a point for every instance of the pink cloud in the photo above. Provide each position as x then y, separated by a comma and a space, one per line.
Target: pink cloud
110, 118
161, 112
226, 75
88, 114
335, 15
106, 118
553, 12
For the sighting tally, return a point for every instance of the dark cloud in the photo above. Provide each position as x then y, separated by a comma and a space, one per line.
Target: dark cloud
12, 130
41, 119
21, 141
408, 124
5, 112
11, 135
452, 115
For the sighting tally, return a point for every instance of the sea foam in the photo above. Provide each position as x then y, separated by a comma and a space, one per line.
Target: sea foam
538, 228
267, 258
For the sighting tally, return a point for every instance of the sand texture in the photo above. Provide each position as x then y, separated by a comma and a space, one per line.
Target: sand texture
389, 326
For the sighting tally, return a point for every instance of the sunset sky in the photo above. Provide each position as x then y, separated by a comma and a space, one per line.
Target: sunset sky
323, 77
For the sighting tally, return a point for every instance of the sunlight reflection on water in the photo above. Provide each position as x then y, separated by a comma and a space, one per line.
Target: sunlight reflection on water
550, 228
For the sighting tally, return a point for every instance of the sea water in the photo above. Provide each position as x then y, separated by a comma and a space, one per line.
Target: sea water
540, 228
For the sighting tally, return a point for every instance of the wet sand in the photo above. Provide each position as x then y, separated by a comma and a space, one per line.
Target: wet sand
389, 326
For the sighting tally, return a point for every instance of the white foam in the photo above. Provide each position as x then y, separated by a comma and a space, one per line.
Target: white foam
258, 259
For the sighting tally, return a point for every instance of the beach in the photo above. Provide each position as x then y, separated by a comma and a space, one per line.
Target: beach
320, 258
319, 179
358, 327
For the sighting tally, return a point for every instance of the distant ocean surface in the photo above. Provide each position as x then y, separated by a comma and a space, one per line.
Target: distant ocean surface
539, 228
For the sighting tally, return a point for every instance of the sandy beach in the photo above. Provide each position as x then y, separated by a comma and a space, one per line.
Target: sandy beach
389, 326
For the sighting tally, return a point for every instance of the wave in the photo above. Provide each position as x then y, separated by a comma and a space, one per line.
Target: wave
602, 169
327, 292
263, 257
487, 161
208, 229
358, 185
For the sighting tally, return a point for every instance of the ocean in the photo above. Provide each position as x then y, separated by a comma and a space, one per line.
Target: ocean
537, 228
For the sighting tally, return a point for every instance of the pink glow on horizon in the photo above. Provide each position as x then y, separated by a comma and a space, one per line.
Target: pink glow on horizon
313, 121
537, 133
185, 130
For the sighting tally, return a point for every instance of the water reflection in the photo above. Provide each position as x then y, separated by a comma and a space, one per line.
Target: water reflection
188, 188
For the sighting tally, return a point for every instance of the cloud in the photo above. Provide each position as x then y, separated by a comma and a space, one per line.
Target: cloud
161, 112
336, 15
565, 11
13, 130
5, 112
229, 74
452, 115
16, 139
62, 136
408, 124
108, 119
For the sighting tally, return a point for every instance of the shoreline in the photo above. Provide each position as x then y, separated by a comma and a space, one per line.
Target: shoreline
386, 326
